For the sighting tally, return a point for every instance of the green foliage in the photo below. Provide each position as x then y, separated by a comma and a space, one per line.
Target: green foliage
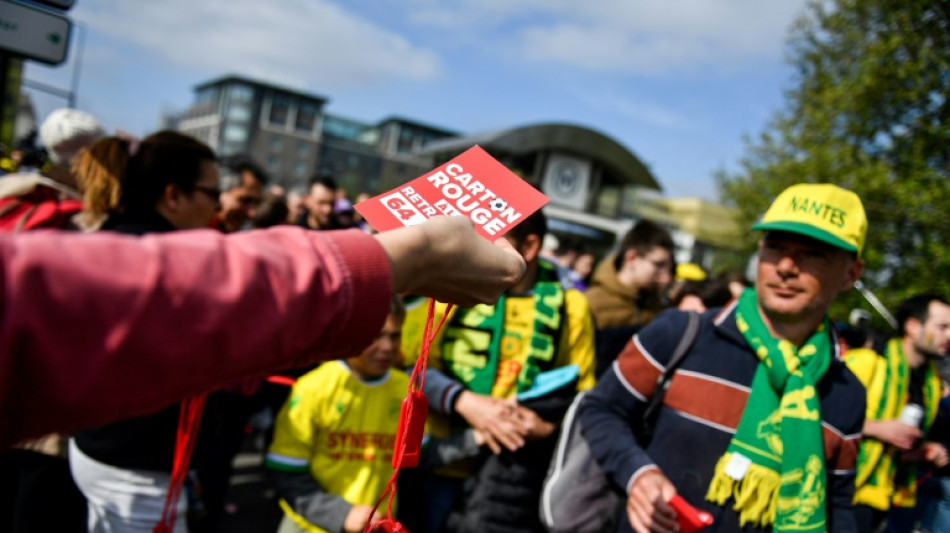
869, 109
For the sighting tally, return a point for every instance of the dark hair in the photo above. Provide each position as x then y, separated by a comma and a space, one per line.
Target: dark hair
536, 224
325, 180
273, 211
643, 237
162, 159
397, 307
245, 164
917, 307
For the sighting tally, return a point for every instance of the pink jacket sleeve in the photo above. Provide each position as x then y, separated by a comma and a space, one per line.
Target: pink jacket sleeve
99, 327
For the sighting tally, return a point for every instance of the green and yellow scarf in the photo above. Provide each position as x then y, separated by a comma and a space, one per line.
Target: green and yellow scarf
879, 482
774, 467
472, 340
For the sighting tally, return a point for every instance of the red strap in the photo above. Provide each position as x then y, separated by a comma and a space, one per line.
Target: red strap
188, 422
416, 382
277, 379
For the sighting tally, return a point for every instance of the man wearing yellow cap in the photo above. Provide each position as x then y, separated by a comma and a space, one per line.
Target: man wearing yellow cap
761, 422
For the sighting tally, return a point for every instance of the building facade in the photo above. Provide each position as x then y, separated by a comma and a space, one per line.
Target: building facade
288, 134
598, 187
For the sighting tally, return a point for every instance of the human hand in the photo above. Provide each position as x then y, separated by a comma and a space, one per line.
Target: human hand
533, 425
357, 518
932, 452
647, 507
893, 432
936, 453
493, 418
444, 258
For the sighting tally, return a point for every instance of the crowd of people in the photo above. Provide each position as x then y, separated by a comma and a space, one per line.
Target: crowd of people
140, 341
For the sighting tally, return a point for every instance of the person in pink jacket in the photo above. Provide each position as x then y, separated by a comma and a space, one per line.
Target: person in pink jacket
98, 327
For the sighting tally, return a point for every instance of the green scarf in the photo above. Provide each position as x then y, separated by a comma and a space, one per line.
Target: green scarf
774, 466
472, 340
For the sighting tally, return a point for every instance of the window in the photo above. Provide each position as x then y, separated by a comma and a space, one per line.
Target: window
235, 133
302, 149
405, 142
276, 143
279, 109
306, 116
241, 93
206, 95
272, 163
300, 168
239, 113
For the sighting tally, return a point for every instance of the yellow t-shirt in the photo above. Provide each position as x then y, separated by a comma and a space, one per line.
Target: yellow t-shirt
576, 345
341, 430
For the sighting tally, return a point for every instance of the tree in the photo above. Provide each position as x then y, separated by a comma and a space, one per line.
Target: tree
869, 109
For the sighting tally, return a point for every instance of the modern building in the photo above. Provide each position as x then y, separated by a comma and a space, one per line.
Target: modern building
279, 128
287, 132
598, 187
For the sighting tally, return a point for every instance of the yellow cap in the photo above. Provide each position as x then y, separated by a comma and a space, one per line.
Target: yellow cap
690, 272
821, 211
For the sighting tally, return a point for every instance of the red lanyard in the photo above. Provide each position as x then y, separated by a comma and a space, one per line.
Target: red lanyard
188, 422
409, 432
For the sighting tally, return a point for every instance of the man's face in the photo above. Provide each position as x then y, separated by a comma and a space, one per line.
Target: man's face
320, 202
381, 354
798, 277
240, 203
932, 338
651, 270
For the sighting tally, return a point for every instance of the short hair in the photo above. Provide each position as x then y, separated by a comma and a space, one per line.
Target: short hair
325, 180
643, 237
536, 224
273, 211
918, 307
234, 169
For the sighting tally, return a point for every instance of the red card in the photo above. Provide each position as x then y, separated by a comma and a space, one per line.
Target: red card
474, 184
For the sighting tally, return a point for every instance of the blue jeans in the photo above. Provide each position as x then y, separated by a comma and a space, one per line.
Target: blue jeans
933, 503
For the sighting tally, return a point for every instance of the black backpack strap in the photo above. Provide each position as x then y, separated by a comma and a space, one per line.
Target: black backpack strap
676, 359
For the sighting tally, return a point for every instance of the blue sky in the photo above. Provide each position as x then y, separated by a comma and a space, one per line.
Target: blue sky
678, 82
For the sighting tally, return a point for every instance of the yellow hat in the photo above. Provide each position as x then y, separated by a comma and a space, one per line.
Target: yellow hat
821, 211
690, 272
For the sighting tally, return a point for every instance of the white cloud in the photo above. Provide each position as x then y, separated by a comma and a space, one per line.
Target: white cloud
633, 36
294, 42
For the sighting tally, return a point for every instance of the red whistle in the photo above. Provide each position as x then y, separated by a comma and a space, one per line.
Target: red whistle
412, 424
689, 518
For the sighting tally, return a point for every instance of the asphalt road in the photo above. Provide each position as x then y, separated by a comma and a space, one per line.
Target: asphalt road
254, 508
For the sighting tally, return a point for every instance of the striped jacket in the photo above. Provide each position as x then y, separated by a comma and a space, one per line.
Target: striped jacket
702, 409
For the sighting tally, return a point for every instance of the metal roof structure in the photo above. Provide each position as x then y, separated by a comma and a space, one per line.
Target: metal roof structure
621, 163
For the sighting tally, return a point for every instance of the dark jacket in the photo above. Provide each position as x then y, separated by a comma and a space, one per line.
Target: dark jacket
145, 442
702, 408
502, 496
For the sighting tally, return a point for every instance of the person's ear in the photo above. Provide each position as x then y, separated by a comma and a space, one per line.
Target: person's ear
628, 257
530, 247
171, 197
912, 327
852, 275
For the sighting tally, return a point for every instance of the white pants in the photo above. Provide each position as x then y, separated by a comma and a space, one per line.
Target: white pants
122, 501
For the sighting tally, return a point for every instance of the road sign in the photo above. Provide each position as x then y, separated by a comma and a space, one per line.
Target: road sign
58, 4
33, 33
